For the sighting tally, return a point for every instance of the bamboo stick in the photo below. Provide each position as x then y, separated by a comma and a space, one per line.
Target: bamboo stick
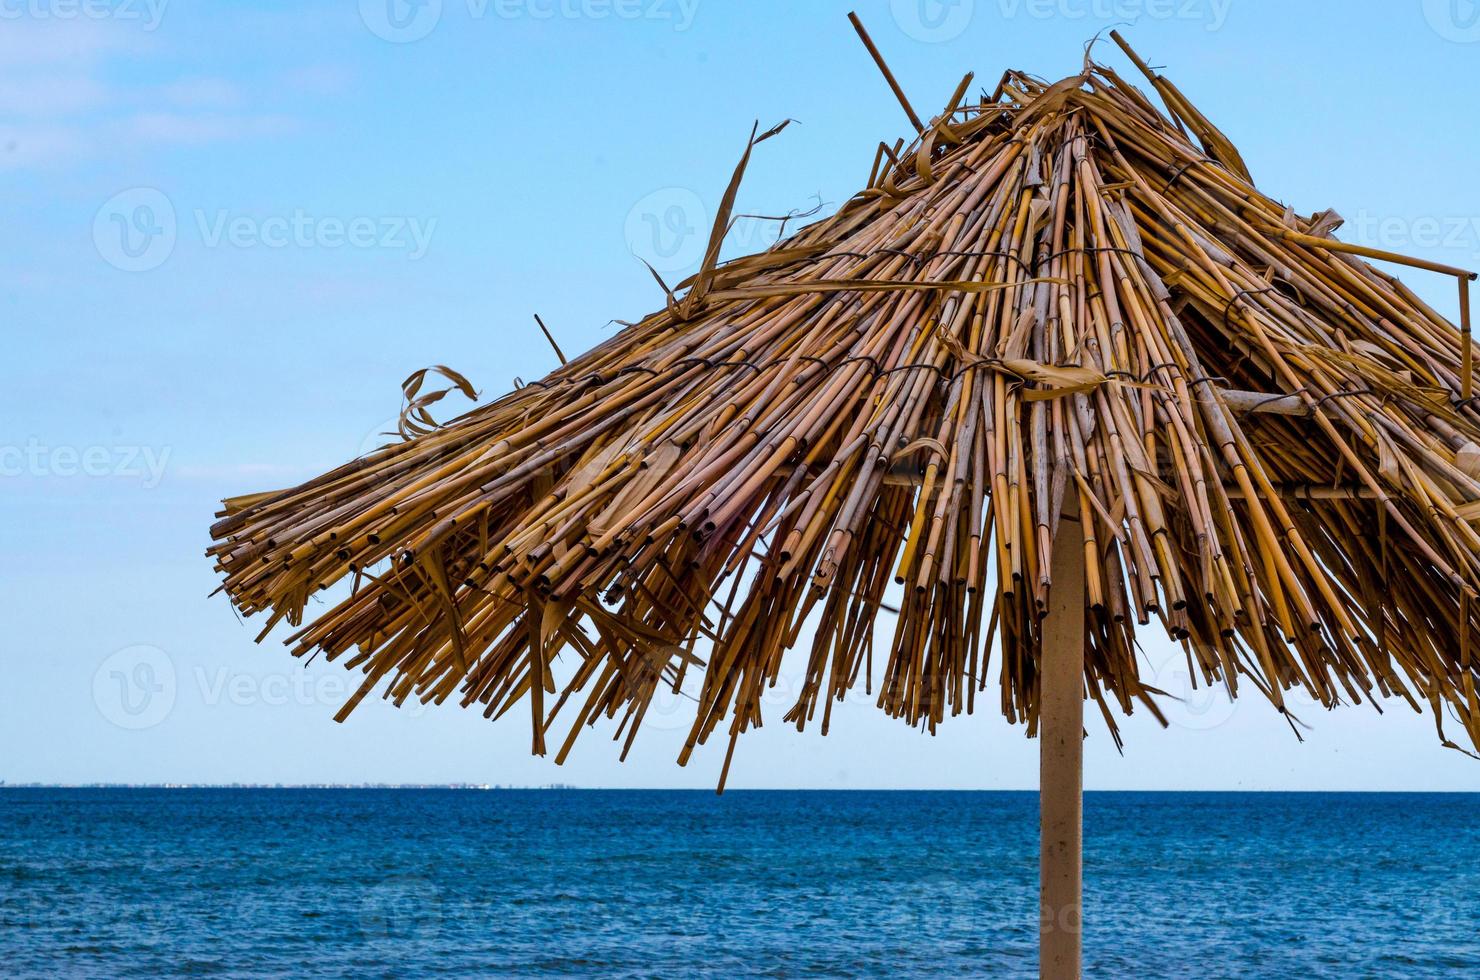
868, 42
1332, 245
1468, 359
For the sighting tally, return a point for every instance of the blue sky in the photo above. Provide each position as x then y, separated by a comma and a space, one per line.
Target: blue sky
233, 229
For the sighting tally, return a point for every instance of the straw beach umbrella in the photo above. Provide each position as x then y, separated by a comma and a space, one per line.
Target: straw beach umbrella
1059, 373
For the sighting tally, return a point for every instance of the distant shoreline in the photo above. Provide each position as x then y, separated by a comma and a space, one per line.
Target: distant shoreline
563, 787
458, 786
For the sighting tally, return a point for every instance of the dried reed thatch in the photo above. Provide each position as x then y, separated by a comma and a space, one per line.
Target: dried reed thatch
1054, 296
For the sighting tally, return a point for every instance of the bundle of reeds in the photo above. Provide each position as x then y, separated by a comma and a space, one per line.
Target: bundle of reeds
1055, 296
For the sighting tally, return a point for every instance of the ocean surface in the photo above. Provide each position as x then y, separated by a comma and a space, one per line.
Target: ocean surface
409, 883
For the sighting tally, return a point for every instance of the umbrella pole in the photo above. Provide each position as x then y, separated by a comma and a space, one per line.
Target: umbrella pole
1061, 756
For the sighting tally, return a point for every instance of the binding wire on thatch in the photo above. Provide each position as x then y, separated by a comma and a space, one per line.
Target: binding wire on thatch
1055, 296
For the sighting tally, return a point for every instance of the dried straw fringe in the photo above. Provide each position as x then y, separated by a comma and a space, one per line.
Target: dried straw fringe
1044, 295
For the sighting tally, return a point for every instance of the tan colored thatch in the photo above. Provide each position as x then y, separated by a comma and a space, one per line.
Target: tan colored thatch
1049, 293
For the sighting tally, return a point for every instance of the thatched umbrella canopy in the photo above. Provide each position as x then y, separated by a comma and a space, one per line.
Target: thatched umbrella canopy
1054, 298
1057, 314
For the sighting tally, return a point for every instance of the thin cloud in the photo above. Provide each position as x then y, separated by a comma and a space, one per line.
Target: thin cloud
321, 80
50, 96
26, 146
32, 43
59, 101
202, 93
174, 129
238, 471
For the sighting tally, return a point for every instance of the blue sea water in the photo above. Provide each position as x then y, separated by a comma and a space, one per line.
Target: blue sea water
412, 883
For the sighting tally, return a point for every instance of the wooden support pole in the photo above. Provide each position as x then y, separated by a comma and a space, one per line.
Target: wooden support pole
1061, 755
